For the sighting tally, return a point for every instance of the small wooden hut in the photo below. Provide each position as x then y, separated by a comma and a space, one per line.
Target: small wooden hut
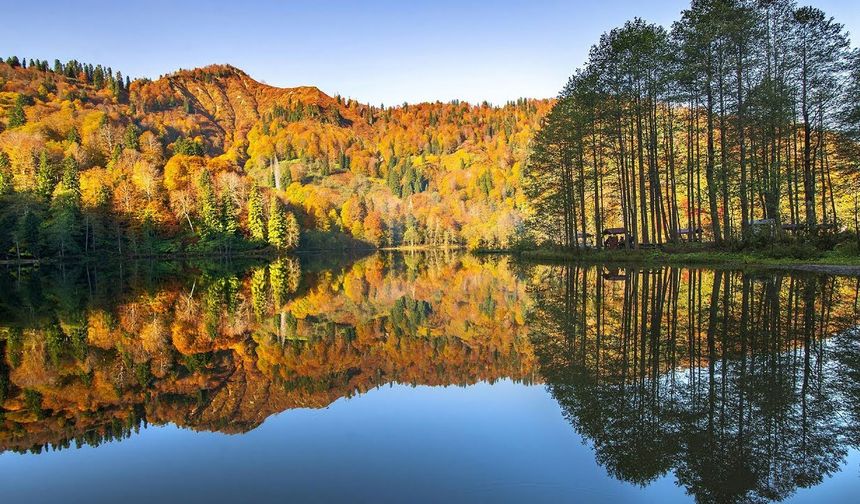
616, 238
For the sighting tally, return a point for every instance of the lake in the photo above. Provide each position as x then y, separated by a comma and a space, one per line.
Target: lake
427, 377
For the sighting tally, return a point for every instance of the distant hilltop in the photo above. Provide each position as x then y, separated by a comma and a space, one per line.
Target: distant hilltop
428, 174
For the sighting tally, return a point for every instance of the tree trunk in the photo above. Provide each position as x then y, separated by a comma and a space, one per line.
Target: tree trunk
709, 167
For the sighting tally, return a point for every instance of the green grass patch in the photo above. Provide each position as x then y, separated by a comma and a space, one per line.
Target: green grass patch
701, 255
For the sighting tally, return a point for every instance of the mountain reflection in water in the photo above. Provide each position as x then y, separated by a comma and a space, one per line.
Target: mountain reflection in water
741, 385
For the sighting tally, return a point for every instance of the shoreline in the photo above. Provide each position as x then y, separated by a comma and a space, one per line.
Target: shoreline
828, 263
421, 248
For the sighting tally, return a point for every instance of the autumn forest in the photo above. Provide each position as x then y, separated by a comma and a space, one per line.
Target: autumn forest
643, 288
210, 160
737, 125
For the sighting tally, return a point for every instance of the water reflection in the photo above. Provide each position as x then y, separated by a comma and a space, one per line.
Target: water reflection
87, 362
744, 385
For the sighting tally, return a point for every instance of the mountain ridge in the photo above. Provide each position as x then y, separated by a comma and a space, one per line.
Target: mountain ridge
436, 174
229, 98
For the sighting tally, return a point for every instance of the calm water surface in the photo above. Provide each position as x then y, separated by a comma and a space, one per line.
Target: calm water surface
427, 377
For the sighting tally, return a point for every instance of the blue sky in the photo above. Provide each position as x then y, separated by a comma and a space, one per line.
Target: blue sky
374, 51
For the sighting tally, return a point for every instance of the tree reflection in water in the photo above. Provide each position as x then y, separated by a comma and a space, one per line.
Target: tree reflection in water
743, 385
93, 354
739, 383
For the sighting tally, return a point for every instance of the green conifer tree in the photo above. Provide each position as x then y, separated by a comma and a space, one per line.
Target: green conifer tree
277, 224
72, 136
256, 219
45, 180
393, 180
63, 224
130, 137
229, 217
209, 208
26, 234
17, 117
5, 174
286, 177
71, 179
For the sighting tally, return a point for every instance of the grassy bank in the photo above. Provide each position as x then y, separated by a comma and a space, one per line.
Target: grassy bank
423, 248
696, 256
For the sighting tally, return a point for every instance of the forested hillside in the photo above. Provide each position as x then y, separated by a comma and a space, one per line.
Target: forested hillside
210, 160
740, 122
737, 125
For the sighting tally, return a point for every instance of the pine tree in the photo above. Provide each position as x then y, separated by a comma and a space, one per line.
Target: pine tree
64, 221
393, 180
408, 179
72, 136
344, 161
17, 117
277, 224
188, 147
209, 208
99, 77
118, 90
256, 220
850, 114
229, 218
115, 155
71, 180
130, 137
26, 234
5, 174
45, 179
286, 177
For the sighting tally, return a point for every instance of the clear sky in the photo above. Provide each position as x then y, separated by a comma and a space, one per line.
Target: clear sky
374, 51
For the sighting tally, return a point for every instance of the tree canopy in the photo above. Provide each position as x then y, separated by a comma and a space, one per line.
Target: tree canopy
740, 114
